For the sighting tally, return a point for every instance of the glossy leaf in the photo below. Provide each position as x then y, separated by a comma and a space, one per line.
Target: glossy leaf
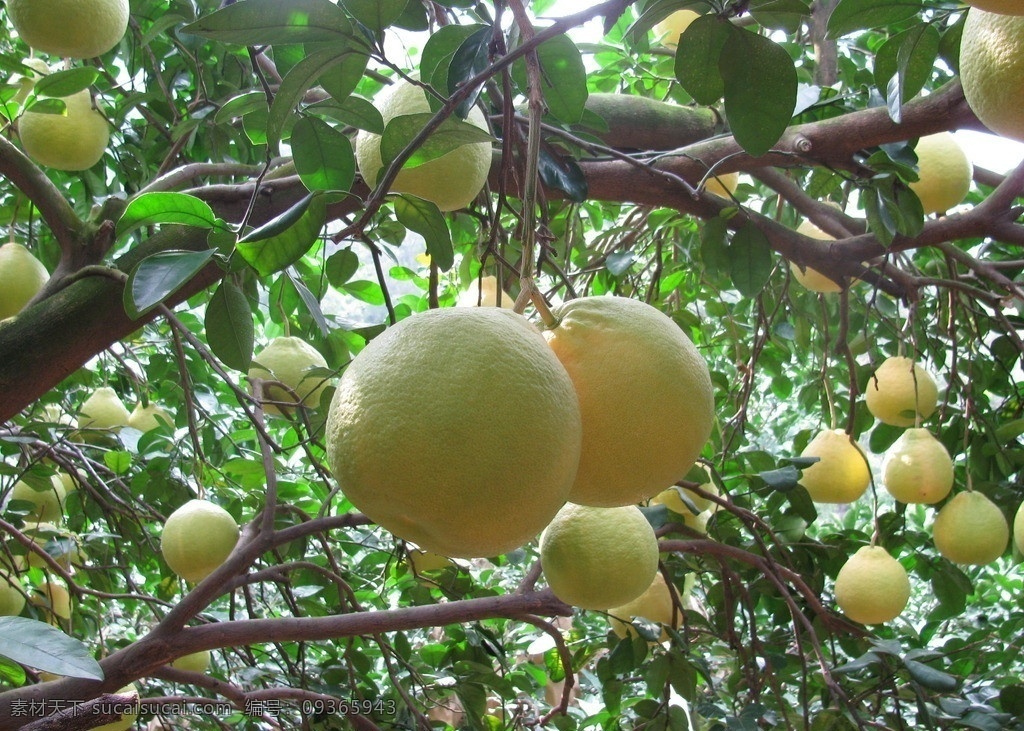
904, 64
323, 156
260, 22
470, 58
354, 111
424, 218
750, 260
159, 276
563, 173
375, 14
229, 326
440, 48
46, 648
564, 78
451, 135
150, 209
853, 15
66, 83
281, 241
700, 48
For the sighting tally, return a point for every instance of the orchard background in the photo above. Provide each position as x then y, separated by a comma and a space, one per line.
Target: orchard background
601, 154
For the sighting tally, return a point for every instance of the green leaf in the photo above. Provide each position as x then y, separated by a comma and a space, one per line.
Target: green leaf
150, 209
714, 248
760, 89
375, 14
750, 260
341, 79
323, 156
354, 111
783, 478
562, 172
469, 59
424, 218
700, 48
929, 677
1011, 699
270, 22
853, 15
159, 276
341, 266
786, 15
439, 50
452, 134
283, 240
564, 78
11, 672
229, 326
904, 64
46, 648
66, 83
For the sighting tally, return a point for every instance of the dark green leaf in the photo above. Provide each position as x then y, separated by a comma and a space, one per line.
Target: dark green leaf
760, 89
424, 218
714, 250
786, 15
929, 677
1011, 699
270, 22
341, 79
697, 56
311, 302
853, 15
469, 59
564, 78
354, 111
952, 587
439, 50
562, 173
229, 326
867, 660
150, 209
784, 478
323, 156
750, 260
341, 266
451, 135
46, 648
283, 240
904, 64
66, 83
159, 276
375, 14
619, 262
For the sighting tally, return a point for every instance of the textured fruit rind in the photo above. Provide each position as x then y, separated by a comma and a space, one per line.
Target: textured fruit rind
944, 172
970, 529
596, 558
896, 386
872, 587
21, 278
992, 70
458, 430
73, 141
451, 181
841, 474
654, 605
72, 28
197, 538
918, 468
645, 396
290, 360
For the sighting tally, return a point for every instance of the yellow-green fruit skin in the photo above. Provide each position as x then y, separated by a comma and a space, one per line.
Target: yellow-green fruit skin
970, 529
73, 28
918, 468
897, 386
293, 362
669, 29
1018, 528
148, 417
596, 558
197, 538
1004, 7
458, 430
841, 474
992, 70
872, 587
103, 410
21, 278
72, 141
12, 599
645, 397
197, 662
944, 172
810, 278
49, 502
450, 181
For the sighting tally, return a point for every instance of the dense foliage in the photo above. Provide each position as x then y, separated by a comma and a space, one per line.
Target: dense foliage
228, 211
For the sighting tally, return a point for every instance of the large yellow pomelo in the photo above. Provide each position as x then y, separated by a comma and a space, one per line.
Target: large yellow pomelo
197, 538
1018, 528
49, 502
944, 172
872, 587
72, 141
841, 474
130, 712
1006, 7
683, 500
596, 558
148, 417
723, 185
196, 662
451, 181
970, 529
918, 468
645, 397
483, 292
103, 409
668, 30
810, 278
458, 430
21, 278
655, 605
992, 70
12, 598
74, 28
897, 386
53, 600
296, 364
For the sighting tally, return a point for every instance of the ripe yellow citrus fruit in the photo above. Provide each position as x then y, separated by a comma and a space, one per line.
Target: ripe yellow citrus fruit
944, 172
897, 386
49, 501
53, 600
970, 529
296, 364
197, 662
810, 278
841, 474
21, 278
458, 430
62, 545
1006, 7
683, 500
72, 141
129, 717
645, 397
483, 292
992, 70
73, 28
655, 605
452, 180
197, 538
421, 561
596, 558
723, 185
148, 417
918, 468
669, 29
103, 409
12, 598
872, 587
27, 82
1018, 528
